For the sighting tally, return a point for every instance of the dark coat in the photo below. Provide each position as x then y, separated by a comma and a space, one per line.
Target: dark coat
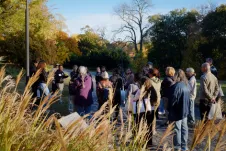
74, 75
60, 76
83, 95
43, 77
178, 105
117, 83
165, 86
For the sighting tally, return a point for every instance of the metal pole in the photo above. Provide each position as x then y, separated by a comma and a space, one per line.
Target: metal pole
27, 42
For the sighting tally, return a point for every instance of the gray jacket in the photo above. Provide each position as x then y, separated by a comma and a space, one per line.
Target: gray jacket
193, 87
209, 88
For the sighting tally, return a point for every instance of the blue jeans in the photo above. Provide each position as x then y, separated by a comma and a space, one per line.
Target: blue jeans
82, 110
191, 115
162, 106
180, 139
43, 90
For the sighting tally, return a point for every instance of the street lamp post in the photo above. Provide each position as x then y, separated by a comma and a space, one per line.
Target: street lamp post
27, 42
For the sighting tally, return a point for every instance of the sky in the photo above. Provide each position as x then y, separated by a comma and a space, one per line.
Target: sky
100, 13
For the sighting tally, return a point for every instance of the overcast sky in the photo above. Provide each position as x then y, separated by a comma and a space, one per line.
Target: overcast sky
99, 13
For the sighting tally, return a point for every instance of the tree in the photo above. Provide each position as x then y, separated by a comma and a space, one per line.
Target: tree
169, 35
44, 29
214, 33
90, 41
133, 18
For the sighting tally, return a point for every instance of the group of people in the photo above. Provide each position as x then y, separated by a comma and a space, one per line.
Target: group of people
147, 96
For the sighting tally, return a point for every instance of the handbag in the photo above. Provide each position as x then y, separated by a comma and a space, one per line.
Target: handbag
215, 111
221, 93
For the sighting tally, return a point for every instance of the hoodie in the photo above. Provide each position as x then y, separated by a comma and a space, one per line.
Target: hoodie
156, 83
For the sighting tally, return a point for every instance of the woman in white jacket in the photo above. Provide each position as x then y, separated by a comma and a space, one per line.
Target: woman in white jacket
141, 105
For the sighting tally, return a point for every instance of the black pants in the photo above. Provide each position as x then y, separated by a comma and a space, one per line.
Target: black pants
204, 108
149, 117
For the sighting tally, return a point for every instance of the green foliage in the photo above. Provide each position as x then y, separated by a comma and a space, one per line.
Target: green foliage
90, 41
169, 34
107, 57
139, 62
44, 33
184, 39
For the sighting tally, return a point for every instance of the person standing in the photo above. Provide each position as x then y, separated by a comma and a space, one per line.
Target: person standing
129, 79
59, 79
213, 69
98, 75
42, 89
54, 85
154, 76
83, 92
209, 90
142, 106
117, 83
178, 107
33, 70
74, 72
71, 87
103, 89
190, 72
167, 82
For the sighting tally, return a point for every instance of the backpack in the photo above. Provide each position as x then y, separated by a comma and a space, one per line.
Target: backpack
105, 94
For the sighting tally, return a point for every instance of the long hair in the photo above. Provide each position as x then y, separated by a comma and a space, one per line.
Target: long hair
41, 65
154, 72
181, 77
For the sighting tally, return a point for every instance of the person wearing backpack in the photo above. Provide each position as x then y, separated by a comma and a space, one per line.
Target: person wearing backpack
103, 89
154, 76
117, 83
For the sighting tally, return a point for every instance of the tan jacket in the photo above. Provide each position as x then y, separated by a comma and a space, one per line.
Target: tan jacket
156, 83
209, 88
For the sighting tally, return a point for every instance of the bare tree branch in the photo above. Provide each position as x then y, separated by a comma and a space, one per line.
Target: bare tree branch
133, 17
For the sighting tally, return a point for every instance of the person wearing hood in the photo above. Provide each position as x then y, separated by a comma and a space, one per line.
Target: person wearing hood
154, 76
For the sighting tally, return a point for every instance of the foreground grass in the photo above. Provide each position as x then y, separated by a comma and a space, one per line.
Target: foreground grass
23, 129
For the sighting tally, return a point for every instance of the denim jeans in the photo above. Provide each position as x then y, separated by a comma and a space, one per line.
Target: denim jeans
43, 90
191, 115
82, 110
180, 138
162, 106
70, 103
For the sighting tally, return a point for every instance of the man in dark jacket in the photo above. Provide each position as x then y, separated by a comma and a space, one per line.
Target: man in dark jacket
33, 69
59, 79
178, 107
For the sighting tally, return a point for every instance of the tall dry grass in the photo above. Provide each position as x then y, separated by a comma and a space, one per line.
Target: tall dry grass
23, 129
